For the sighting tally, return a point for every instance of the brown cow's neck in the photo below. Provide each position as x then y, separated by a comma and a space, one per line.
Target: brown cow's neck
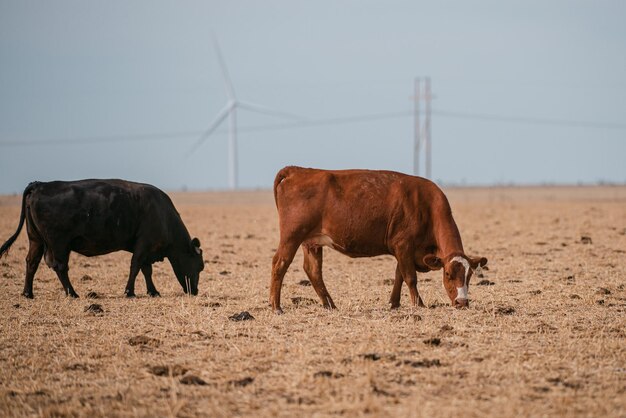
446, 233
449, 243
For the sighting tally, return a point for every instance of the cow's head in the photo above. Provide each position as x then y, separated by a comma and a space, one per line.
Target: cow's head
188, 265
457, 272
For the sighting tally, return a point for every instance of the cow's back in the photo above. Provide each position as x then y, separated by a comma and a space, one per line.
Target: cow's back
354, 208
94, 217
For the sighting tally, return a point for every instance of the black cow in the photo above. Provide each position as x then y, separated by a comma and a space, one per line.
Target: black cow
95, 217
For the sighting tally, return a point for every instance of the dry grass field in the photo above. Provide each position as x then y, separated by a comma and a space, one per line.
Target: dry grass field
545, 336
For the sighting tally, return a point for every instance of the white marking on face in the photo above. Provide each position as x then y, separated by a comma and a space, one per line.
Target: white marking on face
461, 292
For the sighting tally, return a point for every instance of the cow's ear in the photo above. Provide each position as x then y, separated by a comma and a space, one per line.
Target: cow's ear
476, 262
432, 262
195, 245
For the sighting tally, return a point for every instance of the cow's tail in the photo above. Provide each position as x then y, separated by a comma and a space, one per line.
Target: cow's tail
5, 247
280, 176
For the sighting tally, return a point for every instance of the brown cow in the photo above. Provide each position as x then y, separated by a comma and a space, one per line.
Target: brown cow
364, 213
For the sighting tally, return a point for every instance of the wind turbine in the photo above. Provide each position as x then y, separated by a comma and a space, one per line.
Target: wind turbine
230, 111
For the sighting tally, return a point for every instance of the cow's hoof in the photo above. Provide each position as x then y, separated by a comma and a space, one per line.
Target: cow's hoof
28, 295
394, 307
154, 294
73, 295
129, 294
278, 311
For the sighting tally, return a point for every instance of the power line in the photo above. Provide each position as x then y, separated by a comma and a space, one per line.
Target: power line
101, 139
195, 134
188, 135
330, 121
530, 120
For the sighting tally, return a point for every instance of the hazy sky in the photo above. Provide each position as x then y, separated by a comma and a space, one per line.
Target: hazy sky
102, 74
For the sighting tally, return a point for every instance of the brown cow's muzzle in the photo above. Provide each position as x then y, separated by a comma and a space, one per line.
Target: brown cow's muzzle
461, 303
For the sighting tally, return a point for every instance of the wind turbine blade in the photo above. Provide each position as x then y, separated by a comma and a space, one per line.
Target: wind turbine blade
216, 122
230, 91
268, 111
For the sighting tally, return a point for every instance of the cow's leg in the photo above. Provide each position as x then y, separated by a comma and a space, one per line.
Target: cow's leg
146, 269
61, 268
137, 263
280, 263
394, 300
313, 268
409, 274
35, 252
65, 281
132, 275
